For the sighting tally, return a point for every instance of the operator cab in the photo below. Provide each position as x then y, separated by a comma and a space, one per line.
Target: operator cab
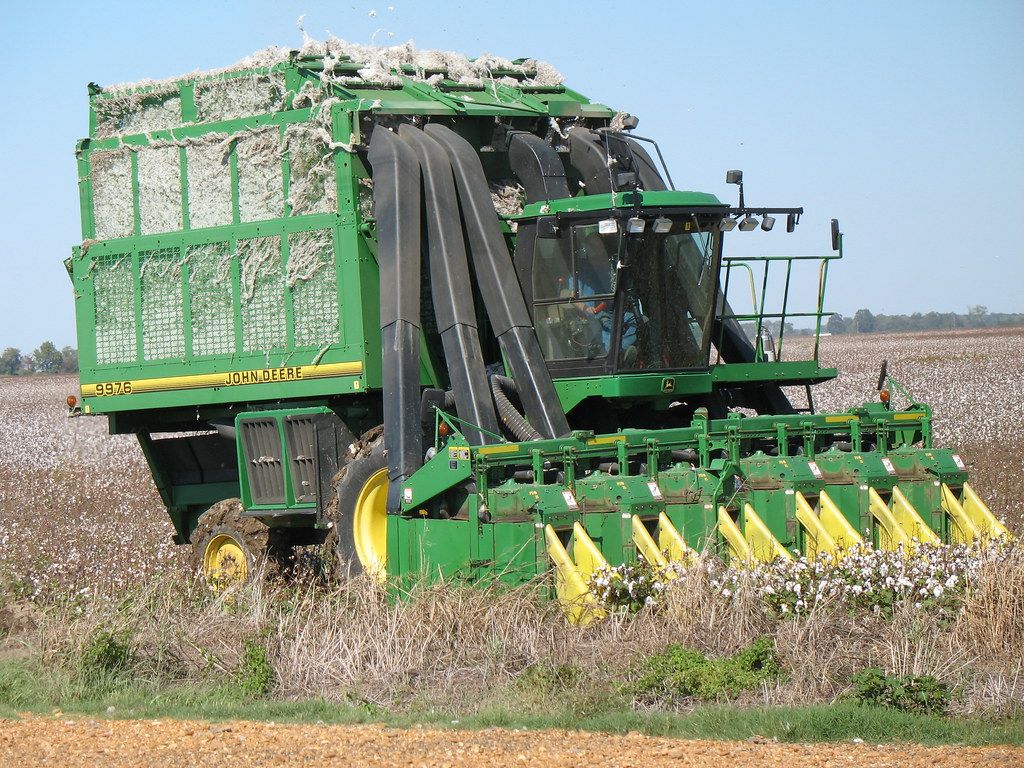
626, 290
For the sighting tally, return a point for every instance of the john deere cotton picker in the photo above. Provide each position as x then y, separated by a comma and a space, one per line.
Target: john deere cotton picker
451, 317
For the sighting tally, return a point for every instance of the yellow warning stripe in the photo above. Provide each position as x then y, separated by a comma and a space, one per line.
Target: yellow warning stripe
223, 379
607, 440
507, 448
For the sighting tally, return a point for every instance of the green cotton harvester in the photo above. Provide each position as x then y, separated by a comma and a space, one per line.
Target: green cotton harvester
452, 320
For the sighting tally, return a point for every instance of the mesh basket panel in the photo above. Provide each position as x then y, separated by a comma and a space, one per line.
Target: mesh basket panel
133, 113
209, 185
263, 310
114, 309
239, 97
312, 186
163, 324
312, 278
260, 183
159, 189
112, 208
212, 307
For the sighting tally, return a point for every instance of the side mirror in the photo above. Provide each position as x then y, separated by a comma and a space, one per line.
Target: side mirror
547, 226
734, 177
836, 234
882, 374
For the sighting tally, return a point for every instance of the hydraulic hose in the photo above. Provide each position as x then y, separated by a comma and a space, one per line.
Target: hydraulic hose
501, 387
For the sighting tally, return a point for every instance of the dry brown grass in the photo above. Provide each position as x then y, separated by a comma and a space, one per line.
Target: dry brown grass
463, 649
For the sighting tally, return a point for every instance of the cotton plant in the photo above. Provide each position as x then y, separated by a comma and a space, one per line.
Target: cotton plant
927, 577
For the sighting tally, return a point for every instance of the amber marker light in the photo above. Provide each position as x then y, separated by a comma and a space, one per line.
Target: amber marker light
72, 401
443, 429
883, 395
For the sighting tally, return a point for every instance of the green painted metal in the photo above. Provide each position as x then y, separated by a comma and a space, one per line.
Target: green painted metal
649, 477
646, 199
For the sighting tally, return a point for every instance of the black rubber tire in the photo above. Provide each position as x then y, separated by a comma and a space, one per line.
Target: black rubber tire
263, 552
340, 543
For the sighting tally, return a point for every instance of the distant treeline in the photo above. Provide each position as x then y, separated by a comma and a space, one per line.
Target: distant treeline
46, 358
864, 321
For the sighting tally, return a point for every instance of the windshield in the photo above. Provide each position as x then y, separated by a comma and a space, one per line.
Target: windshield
667, 301
642, 300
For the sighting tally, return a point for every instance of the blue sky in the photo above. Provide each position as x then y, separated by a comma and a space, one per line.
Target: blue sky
905, 121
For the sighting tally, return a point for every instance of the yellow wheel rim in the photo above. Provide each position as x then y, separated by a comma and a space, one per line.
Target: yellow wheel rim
224, 562
370, 524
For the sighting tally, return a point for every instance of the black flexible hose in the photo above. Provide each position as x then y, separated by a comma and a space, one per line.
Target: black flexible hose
520, 428
449, 400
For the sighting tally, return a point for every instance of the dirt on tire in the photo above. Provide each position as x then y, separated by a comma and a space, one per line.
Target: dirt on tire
339, 550
73, 742
260, 541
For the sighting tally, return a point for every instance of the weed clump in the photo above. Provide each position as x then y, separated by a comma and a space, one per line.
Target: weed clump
255, 674
107, 656
684, 673
921, 694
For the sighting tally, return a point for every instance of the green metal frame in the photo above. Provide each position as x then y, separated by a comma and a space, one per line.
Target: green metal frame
499, 532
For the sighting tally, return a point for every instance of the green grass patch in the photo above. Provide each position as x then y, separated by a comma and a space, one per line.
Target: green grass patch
683, 673
27, 689
910, 693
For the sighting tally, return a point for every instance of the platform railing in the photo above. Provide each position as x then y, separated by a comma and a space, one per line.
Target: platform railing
759, 315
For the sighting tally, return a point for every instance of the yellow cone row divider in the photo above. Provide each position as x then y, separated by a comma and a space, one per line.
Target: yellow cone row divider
826, 531
572, 579
982, 515
645, 544
671, 542
817, 539
972, 519
843, 534
755, 543
910, 521
891, 534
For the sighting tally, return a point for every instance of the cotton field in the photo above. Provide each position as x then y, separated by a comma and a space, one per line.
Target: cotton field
78, 510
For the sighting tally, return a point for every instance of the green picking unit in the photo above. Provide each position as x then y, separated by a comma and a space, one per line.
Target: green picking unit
452, 319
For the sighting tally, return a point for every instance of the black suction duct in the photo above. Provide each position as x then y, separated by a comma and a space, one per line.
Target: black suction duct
451, 289
588, 157
396, 201
499, 286
537, 166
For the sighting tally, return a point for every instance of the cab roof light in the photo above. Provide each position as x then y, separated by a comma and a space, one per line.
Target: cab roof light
727, 224
635, 225
767, 223
607, 226
748, 223
662, 225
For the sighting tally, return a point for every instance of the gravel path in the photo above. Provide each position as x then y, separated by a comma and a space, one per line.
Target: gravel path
62, 741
